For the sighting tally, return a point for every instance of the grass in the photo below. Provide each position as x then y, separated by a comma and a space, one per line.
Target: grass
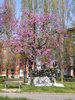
6, 98
1, 87
69, 88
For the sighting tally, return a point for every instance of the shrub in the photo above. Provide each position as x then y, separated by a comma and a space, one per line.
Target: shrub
43, 72
69, 79
2, 78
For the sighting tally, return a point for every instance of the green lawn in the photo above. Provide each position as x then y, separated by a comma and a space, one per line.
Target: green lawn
69, 88
6, 98
1, 86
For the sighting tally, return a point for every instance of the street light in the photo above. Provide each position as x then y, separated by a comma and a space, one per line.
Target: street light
73, 53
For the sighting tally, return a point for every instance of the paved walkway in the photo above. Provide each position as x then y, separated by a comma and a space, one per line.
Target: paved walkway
40, 96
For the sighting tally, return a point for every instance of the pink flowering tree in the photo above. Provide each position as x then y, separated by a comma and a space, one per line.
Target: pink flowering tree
36, 37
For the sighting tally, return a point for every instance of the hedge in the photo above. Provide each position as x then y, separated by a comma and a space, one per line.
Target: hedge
69, 79
2, 78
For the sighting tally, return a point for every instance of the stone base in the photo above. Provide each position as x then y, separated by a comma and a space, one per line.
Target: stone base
44, 81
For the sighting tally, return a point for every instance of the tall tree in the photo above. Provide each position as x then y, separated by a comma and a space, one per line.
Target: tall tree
7, 16
9, 7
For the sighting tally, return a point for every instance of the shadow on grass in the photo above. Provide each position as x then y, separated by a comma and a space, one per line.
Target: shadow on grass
6, 98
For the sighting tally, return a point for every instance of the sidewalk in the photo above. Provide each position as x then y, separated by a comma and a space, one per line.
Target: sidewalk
40, 96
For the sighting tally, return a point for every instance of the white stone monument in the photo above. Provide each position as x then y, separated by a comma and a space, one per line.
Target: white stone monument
21, 73
45, 81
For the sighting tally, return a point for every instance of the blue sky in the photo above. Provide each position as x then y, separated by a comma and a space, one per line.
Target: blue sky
1, 1
18, 9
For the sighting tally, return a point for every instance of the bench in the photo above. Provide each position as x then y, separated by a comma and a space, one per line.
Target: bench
13, 82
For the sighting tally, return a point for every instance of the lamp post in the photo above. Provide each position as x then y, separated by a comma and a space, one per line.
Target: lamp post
73, 53
73, 37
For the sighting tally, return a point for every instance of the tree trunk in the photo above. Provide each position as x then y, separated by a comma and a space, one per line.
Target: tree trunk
62, 72
25, 71
7, 72
61, 54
